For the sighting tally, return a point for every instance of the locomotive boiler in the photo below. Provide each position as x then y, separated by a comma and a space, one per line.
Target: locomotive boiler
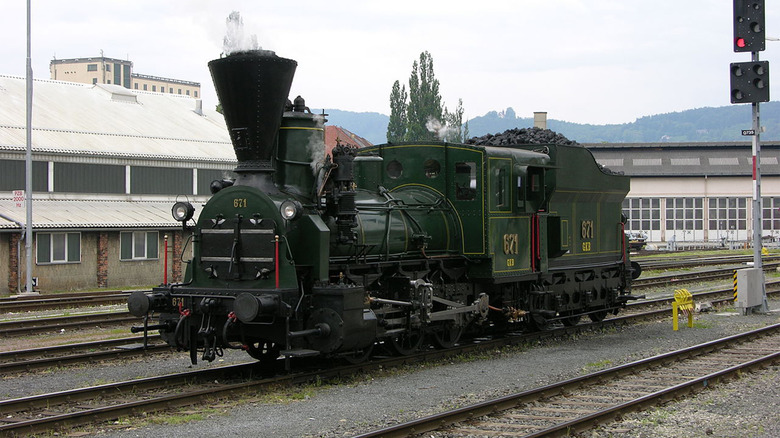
395, 246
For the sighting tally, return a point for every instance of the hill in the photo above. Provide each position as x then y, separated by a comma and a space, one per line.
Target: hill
695, 125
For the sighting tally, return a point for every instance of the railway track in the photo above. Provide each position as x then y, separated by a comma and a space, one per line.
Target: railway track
709, 275
62, 301
90, 352
47, 412
86, 352
685, 262
581, 403
54, 324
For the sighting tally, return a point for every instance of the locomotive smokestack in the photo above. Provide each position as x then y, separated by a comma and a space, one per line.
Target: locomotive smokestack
253, 87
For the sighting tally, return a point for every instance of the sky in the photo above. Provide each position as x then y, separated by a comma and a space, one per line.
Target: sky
582, 61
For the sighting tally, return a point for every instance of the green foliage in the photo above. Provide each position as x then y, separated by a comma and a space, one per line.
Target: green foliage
422, 117
424, 100
396, 127
453, 120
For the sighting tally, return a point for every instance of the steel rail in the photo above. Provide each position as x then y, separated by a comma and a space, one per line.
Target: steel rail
59, 355
49, 324
51, 302
492, 407
11, 408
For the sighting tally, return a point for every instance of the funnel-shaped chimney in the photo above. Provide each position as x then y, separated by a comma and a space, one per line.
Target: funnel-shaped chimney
253, 88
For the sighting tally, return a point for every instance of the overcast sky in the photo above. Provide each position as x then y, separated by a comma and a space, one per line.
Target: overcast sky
583, 61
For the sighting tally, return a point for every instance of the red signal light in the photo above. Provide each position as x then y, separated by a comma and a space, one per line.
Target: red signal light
740, 42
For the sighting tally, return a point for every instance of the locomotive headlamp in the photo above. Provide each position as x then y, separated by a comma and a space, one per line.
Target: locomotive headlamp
290, 209
182, 211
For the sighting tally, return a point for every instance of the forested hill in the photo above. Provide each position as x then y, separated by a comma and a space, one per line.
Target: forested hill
696, 125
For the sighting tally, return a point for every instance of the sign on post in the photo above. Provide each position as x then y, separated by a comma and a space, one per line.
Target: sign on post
18, 198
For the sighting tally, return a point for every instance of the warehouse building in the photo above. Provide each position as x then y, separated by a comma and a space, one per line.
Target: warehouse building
696, 194
108, 163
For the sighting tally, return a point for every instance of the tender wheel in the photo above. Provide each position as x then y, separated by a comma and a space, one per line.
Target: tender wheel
359, 356
598, 316
407, 343
447, 335
264, 351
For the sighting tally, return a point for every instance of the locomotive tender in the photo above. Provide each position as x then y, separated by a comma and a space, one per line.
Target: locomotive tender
395, 245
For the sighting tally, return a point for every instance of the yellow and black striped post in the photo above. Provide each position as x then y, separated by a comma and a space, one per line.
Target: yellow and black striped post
735, 285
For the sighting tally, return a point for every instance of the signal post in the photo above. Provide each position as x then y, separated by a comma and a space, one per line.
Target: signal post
750, 84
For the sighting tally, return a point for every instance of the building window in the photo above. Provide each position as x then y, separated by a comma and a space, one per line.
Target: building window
144, 87
135, 85
196, 94
179, 90
643, 214
58, 248
91, 67
170, 90
94, 81
728, 214
108, 67
154, 87
770, 214
188, 92
138, 245
684, 214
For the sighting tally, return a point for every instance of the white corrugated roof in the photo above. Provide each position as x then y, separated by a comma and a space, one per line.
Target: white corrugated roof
88, 214
105, 119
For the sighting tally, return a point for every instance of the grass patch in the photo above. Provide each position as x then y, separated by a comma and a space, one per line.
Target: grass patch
597, 365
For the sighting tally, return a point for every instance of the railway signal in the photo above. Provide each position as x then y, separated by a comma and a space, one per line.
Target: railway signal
749, 82
749, 35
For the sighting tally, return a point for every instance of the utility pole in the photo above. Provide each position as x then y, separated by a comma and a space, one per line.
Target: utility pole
28, 162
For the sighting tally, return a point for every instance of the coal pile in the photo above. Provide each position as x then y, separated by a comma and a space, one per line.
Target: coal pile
521, 136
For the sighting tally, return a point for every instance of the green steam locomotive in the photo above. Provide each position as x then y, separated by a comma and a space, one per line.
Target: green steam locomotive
396, 246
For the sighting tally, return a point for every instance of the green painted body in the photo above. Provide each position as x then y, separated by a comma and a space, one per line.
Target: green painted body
502, 198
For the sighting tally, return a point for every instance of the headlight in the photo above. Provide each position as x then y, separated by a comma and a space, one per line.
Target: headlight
290, 209
182, 211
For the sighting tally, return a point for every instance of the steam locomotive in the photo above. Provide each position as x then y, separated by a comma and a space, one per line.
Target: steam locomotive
397, 245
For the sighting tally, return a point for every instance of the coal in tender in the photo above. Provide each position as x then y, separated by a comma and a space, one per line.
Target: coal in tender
521, 136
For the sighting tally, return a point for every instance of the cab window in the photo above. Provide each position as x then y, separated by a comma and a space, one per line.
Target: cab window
465, 181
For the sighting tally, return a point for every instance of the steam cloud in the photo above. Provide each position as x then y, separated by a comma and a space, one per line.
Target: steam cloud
442, 130
316, 147
235, 39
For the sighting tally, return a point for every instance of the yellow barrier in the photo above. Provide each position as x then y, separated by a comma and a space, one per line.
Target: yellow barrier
683, 302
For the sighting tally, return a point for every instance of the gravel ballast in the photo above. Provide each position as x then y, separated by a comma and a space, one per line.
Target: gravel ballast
746, 407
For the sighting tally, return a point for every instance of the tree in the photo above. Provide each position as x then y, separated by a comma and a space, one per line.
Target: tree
396, 128
452, 124
424, 100
422, 118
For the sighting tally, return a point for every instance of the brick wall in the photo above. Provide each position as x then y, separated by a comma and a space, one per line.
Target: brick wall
102, 259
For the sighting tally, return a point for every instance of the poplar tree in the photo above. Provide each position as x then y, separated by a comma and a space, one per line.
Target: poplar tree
424, 100
410, 120
396, 128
